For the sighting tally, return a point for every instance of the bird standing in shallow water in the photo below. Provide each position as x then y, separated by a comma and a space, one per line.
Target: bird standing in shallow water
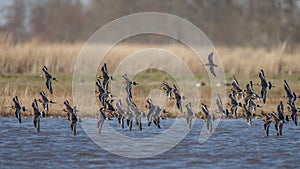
18, 108
211, 64
49, 79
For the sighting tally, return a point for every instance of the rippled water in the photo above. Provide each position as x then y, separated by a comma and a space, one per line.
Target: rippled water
232, 145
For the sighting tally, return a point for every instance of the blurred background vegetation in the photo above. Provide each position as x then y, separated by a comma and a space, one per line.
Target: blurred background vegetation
255, 23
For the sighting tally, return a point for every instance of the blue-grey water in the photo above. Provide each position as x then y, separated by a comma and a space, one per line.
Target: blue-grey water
232, 145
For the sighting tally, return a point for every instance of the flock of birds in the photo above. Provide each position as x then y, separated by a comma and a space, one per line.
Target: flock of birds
245, 99
37, 113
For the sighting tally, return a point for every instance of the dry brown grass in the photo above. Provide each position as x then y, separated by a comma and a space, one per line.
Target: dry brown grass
60, 57
30, 56
27, 58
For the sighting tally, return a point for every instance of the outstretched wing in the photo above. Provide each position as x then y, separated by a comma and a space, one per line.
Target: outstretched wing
67, 104
212, 71
126, 78
294, 118
287, 89
104, 68
104, 72
16, 101
36, 109
49, 86
18, 115
235, 84
262, 78
189, 109
210, 58
47, 74
166, 85
45, 69
44, 97
99, 85
34, 105
263, 93
179, 106
204, 109
219, 103
280, 111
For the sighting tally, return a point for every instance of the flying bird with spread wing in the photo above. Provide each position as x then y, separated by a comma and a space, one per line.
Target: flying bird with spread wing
211, 64
49, 79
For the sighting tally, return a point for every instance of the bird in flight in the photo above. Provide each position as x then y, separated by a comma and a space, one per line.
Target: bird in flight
106, 77
211, 64
291, 95
168, 89
18, 108
49, 79
178, 98
208, 118
45, 101
264, 85
129, 83
37, 115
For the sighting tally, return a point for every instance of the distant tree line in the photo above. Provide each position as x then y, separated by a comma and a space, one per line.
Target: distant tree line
225, 22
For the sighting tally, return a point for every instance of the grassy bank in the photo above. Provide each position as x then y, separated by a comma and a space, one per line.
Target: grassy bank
28, 86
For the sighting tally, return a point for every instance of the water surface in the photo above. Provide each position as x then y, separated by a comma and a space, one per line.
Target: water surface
232, 145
